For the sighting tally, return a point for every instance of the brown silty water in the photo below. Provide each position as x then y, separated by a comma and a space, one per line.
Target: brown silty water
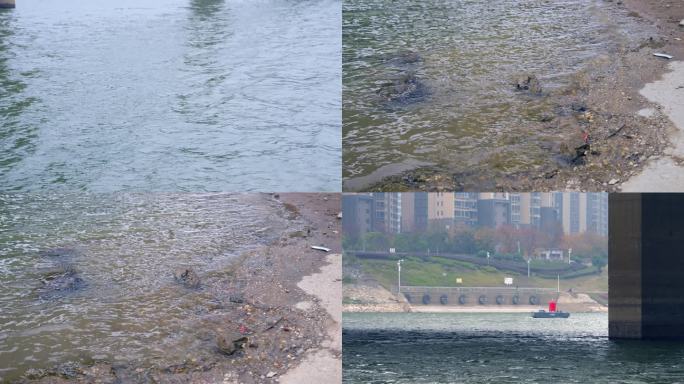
460, 109
89, 278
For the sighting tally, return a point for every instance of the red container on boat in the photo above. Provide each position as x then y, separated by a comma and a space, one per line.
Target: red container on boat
552, 306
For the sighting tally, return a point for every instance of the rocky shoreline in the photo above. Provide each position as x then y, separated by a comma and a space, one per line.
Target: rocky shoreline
600, 132
266, 320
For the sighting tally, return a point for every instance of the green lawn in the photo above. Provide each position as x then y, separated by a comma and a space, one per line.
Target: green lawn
444, 272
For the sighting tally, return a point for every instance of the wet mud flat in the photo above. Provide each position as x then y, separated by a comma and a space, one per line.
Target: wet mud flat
254, 322
597, 132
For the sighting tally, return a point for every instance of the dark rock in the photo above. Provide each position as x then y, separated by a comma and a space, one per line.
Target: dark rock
581, 153
405, 89
65, 283
405, 58
229, 343
187, 277
237, 298
571, 155
69, 370
578, 107
575, 148
551, 174
546, 117
529, 83
61, 281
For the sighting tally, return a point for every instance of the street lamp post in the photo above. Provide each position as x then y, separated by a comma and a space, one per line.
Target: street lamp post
528, 266
399, 276
569, 255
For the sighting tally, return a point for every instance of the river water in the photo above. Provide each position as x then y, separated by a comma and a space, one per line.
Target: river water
176, 95
125, 248
468, 57
500, 348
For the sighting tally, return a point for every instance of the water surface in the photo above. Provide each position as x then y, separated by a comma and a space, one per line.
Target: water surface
125, 247
499, 348
470, 55
178, 95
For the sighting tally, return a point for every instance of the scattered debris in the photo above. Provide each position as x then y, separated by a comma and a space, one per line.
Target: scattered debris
551, 174
187, 277
237, 299
529, 83
613, 181
616, 131
580, 152
663, 55
230, 343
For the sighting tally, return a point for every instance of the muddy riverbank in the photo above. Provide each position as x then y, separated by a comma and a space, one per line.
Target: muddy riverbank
598, 132
261, 319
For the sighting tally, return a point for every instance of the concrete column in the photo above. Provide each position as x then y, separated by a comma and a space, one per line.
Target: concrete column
624, 265
646, 266
7, 4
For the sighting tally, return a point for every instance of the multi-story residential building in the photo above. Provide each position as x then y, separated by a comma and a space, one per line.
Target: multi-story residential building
440, 209
597, 213
574, 212
357, 215
386, 212
465, 209
493, 210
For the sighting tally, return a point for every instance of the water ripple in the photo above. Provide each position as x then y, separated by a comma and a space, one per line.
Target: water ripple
103, 97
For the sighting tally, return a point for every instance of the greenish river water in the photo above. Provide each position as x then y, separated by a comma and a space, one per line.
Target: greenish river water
499, 348
468, 55
177, 95
124, 247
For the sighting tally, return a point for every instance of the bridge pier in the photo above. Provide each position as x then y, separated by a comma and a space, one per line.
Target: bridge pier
646, 266
7, 3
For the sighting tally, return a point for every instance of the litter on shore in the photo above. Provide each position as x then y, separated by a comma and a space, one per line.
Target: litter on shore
324, 249
664, 55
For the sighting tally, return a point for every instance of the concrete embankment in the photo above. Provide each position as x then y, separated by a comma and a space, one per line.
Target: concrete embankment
323, 364
665, 174
374, 298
